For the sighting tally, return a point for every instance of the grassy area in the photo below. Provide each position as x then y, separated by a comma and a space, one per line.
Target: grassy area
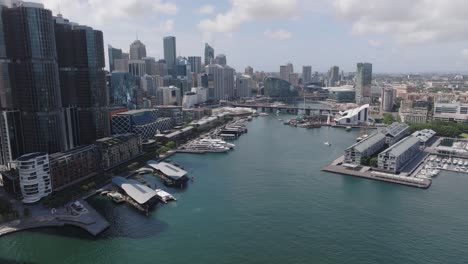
464, 135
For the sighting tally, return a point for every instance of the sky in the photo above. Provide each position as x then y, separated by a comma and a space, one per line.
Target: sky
396, 36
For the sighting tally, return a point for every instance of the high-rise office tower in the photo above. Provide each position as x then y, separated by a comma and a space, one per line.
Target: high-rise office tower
137, 67
80, 53
209, 54
161, 68
29, 35
195, 63
150, 65
137, 50
114, 54
306, 74
170, 53
222, 85
290, 67
221, 60
333, 76
387, 99
363, 83
243, 86
249, 71
285, 71
284, 74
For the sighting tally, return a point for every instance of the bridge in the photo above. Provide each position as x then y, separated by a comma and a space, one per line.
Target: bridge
309, 110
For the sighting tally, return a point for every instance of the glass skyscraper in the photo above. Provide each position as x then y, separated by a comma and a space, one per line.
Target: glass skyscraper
34, 77
209, 54
170, 53
80, 51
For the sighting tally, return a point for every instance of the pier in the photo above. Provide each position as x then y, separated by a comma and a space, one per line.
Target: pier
368, 173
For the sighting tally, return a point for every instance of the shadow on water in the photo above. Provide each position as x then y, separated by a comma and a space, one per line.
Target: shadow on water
125, 222
9, 261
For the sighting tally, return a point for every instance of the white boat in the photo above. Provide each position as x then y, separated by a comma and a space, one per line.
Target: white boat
218, 141
460, 163
164, 196
116, 197
208, 147
445, 167
264, 114
327, 143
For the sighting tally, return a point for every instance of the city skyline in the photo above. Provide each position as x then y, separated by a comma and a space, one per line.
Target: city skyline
337, 33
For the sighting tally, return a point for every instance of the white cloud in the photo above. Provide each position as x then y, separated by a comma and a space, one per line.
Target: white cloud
375, 43
242, 11
278, 34
206, 10
101, 12
465, 53
166, 26
416, 21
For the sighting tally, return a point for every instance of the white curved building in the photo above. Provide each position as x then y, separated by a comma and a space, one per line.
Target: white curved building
354, 116
34, 176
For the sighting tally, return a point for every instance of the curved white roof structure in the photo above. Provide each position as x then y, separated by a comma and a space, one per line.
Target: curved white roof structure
167, 169
136, 190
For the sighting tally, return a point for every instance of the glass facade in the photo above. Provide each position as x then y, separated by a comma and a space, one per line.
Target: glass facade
275, 87
82, 78
33, 73
122, 86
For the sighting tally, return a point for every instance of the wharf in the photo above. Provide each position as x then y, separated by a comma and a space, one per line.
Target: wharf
366, 172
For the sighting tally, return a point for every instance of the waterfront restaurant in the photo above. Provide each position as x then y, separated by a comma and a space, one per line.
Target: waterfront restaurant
171, 174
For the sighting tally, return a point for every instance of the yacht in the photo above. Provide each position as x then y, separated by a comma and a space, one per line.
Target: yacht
455, 162
218, 141
460, 163
208, 147
445, 167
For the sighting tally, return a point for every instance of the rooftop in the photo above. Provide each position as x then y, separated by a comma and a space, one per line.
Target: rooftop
424, 135
395, 129
368, 142
401, 146
136, 190
168, 169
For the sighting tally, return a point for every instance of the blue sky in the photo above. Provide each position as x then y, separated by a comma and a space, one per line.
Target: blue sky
394, 35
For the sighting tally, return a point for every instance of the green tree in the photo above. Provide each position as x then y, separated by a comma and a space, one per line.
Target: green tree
171, 144
388, 118
374, 162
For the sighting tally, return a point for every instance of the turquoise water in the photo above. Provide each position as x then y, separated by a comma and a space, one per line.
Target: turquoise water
268, 202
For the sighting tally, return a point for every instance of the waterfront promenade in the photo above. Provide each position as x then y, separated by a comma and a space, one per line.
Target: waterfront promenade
90, 221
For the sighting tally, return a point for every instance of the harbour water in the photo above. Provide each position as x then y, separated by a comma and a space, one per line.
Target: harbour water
269, 202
